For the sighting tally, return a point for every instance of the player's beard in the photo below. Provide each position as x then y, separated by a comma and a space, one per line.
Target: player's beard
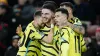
46, 20
57, 24
41, 26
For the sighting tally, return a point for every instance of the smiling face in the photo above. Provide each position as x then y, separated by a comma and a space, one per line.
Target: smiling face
47, 15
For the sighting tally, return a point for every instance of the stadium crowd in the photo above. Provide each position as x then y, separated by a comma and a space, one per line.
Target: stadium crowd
21, 14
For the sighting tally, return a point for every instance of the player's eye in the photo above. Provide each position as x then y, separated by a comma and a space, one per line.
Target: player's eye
46, 13
57, 16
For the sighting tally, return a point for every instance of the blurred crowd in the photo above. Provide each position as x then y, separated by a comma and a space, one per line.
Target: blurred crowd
22, 13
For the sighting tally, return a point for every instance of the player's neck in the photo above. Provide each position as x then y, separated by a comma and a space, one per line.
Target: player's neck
63, 25
34, 24
71, 15
48, 24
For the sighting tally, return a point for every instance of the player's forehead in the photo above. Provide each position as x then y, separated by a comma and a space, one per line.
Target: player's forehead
44, 11
58, 13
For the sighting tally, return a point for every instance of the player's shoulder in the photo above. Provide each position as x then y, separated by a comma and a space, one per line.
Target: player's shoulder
68, 30
77, 21
30, 24
56, 28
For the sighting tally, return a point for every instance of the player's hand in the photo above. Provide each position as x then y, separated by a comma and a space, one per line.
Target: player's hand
52, 23
19, 30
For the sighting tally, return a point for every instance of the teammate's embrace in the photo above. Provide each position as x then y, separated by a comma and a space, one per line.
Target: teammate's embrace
29, 45
73, 22
77, 44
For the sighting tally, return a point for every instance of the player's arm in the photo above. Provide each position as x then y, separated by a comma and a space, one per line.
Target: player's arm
22, 34
41, 36
49, 37
77, 28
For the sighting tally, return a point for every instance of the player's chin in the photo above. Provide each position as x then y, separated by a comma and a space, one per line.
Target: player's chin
42, 25
56, 24
38, 27
44, 22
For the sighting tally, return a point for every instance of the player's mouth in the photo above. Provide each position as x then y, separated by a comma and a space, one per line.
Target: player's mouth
57, 23
45, 19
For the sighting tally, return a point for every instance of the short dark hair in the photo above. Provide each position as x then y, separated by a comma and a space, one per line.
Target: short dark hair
62, 10
37, 13
49, 6
50, 2
68, 4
